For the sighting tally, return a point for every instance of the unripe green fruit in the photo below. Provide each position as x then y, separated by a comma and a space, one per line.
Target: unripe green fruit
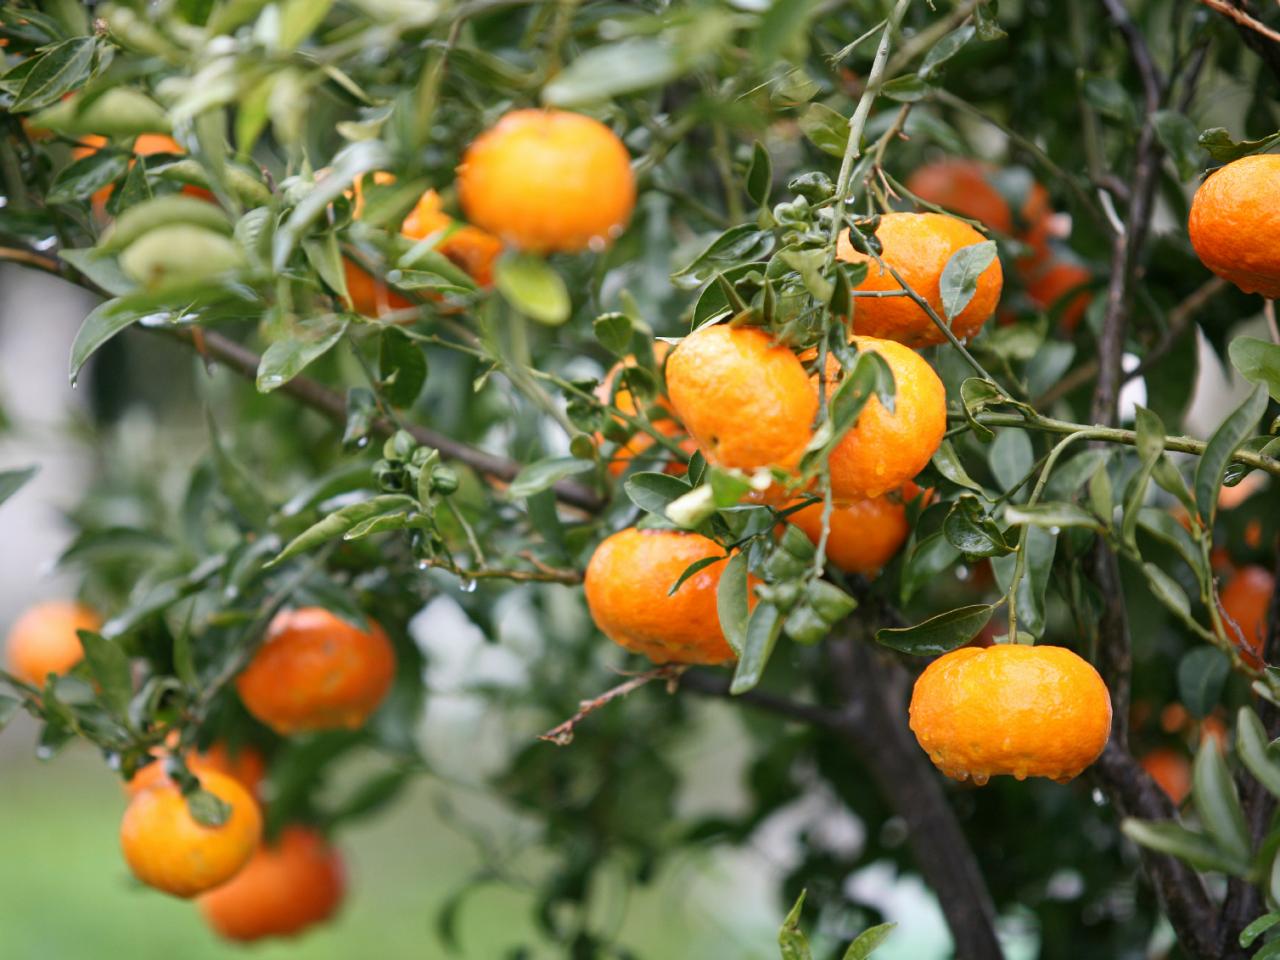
150, 215
180, 254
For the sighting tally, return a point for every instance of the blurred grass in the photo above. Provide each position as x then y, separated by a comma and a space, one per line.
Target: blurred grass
65, 893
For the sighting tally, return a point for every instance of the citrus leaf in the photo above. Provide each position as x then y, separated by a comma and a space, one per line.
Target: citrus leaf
732, 602
1195, 848
1214, 794
762, 633
533, 288
868, 940
959, 280
287, 358
11, 481
544, 474
1258, 360
937, 635
1251, 746
1235, 429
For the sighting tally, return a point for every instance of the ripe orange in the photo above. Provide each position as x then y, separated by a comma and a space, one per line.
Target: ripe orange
1060, 286
315, 671
639, 441
548, 180
288, 886
1235, 223
469, 247
918, 246
883, 450
964, 186
1170, 770
1011, 709
627, 585
1246, 599
43, 640
864, 534
170, 850
370, 295
245, 766
745, 399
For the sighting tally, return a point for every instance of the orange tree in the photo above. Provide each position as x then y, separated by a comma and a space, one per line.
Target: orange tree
522, 291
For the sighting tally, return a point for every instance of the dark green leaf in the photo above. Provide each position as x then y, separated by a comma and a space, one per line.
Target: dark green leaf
653, 492
286, 358
339, 522
1201, 675
937, 635
945, 49
1258, 360
402, 367
732, 602
1167, 590
762, 633
1178, 135
57, 72
908, 88
968, 528
1222, 445
1223, 149
1177, 841
207, 809
87, 176
692, 569
1051, 515
1214, 794
110, 667
1251, 747
614, 331
947, 462
759, 175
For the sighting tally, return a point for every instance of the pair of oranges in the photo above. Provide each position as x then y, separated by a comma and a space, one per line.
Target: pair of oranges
539, 181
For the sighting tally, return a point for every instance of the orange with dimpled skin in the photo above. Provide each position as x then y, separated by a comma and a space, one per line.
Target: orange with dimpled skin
883, 450
640, 441
548, 181
167, 848
315, 671
1011, 709
1246, 599
627, 585
289, 885
745, 399
1235, 223
918, 246
863, 535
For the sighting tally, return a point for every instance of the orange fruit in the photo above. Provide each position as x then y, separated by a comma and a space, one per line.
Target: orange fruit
918, 246
640, 441
1246, 599
964, 187
370, 295
43, 640
1235, 223
883, 450
315, 671
864, 534
548, 180
245, 766
1061, 286
289, 885
469, 247
744, 399
1011, 709
1170, 770
627, 584
167, 848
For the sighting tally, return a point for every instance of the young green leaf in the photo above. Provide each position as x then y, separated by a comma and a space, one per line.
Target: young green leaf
762, 633
791, 938
288, 357
868, 940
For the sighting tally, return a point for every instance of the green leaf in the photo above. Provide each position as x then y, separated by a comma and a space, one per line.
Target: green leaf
826, 129
732, 602
285, 359
1223, 149
959, 280
532, 287
1050, 515
975, 395
791, 938
614, 331
1040, 547
103, 322
730, 249
762, 633
1258, 360
867, 941
1010, 457
945, 49
937, 635
606, 71
759, 175
1150, 444
947, 462
9, 707
1110, 98
544, 474
1201, 675
829, 602
785, 25
11, 481
298, 19
1158, 522
931, 556
1238, 426
1251, 747
350, 163
1180, 140
653, 492
908, 88
691, 570
207, 809
110, 667
1167, 590
1195, 848
402, 368
1256, 929
87, 176
339, 522
57, 72
971, 531
103, 271
1214, 793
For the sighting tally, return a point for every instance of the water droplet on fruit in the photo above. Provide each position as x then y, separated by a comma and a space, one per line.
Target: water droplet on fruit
980, 779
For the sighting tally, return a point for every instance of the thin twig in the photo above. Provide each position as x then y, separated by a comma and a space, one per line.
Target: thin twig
562, 734
1242, 18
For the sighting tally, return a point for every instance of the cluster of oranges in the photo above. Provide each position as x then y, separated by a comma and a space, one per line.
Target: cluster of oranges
1053, 279
312, 672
